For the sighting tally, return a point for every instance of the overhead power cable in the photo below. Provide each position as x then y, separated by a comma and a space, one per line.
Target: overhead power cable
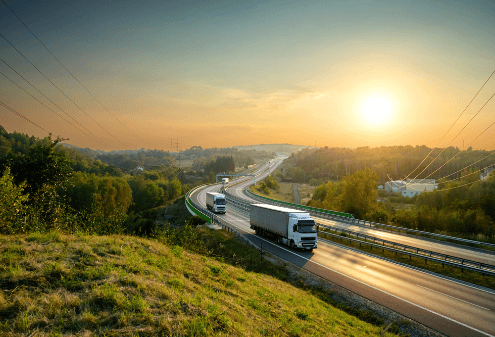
46, 106
21, 115
471, 165
451, 125
454, 139
98, 139
451, 188
87, 90
63, 93
466, 175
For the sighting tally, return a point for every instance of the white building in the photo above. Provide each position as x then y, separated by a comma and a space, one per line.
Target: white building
486, 172
395, 186
417, 186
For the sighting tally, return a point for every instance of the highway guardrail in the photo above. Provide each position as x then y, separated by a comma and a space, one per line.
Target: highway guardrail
398, 229
416, 250
411, 254
379, 226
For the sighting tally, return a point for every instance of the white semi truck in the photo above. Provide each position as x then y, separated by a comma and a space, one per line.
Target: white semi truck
215, 202
289, 226
225, 181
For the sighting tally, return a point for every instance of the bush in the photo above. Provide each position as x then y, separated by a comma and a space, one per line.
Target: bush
271, 183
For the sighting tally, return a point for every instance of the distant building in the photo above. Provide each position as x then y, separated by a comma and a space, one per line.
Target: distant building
417, 186
486, 172
395, 186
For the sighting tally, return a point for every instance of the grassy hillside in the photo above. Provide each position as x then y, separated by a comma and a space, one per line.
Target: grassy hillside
57, 284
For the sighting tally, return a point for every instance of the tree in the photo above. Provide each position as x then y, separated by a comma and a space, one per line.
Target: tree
12, 204
41, 166
359, 192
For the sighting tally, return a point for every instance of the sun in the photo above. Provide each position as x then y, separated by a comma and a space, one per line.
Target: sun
377, 109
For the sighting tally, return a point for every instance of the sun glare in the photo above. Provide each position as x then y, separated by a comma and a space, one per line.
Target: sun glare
377, 109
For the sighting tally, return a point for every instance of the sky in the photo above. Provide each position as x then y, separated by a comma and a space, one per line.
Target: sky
225, 73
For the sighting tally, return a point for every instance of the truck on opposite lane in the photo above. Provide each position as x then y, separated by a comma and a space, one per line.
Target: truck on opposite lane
291, 227
215, 202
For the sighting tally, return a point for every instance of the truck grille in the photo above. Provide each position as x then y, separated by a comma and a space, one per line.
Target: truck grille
309, 238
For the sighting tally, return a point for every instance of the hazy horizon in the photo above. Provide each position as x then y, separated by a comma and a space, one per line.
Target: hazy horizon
226, 73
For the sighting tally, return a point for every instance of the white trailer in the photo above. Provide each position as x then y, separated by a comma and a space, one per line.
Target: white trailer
291, 227
215, 202
225, 181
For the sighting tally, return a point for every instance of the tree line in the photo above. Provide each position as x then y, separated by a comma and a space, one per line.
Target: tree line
462, 208
45, 186
389, 162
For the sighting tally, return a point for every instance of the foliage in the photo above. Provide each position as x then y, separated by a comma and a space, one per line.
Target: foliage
12, 204
40, 166
359, 192
389, 162
85, 192
271, 183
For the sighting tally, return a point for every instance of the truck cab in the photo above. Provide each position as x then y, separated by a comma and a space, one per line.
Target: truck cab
303, 232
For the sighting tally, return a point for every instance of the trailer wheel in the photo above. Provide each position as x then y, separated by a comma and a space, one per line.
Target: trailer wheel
279, 240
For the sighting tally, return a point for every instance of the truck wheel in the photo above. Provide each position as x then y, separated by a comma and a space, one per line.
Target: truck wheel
292, 245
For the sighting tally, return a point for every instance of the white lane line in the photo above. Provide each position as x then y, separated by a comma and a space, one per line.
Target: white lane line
383, 291
378, 289
455, 298
489, 291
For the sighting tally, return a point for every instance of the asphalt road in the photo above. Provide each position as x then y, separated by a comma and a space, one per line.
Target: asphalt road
450, 307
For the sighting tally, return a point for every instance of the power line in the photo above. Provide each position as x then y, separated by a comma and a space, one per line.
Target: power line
43, 103
470, 165
451, 125
68, 69
99, 140
454, 139
21, 115
63, 93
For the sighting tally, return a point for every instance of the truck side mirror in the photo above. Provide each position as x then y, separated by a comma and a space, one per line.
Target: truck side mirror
295, 228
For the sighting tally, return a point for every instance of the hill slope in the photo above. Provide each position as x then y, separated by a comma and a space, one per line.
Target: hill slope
55, 284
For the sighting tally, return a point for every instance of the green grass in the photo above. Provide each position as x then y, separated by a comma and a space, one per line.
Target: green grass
455, 272
54, 285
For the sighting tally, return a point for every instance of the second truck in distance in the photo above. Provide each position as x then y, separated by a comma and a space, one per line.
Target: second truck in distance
289, 226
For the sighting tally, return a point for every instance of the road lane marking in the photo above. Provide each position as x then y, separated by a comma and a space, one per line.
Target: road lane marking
378, 289
455, 298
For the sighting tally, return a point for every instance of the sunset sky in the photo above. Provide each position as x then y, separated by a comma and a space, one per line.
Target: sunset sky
225, 73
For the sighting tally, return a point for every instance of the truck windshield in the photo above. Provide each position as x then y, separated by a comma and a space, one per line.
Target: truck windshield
306, 226
220, 202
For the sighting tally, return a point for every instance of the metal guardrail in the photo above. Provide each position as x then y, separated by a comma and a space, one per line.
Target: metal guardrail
416, 250
245, 206
379, 226
411, 251
411, 254
212, 218
398, 229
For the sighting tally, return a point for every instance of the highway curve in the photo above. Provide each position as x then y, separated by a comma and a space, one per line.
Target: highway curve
450, 307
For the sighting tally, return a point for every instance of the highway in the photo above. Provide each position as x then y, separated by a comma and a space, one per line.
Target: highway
450, 307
